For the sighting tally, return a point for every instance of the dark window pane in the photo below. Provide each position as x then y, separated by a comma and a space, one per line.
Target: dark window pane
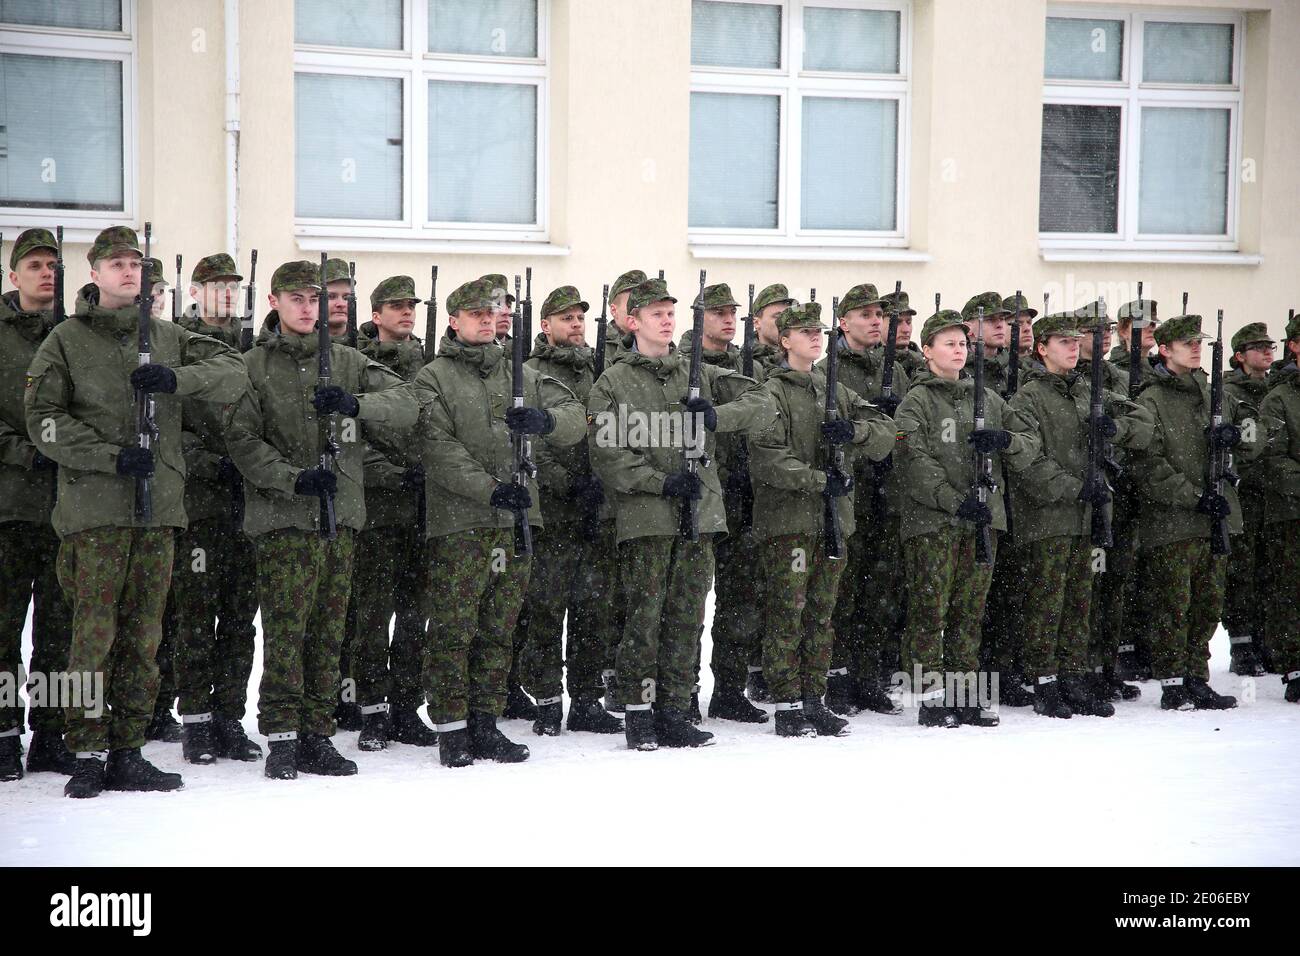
1079, 175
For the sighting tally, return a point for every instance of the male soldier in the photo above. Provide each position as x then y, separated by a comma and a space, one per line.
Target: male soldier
794, 481
618, 294
941, 515
665, 575
391, 570
1144, 311
1018, 310
273, 434
214, 586
907, 353
28, 545
1282, 512
997, 333
338, 287
868, 612
115, 564
502, 304
574, 555
467, 425
1184, 580
1248, 576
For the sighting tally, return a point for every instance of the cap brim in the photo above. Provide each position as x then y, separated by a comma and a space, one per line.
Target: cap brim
218, 278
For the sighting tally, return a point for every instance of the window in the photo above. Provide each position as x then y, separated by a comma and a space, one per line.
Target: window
1141, 129
67, 111
799, 122
421, 120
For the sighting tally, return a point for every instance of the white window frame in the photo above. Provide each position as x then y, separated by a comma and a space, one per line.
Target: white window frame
1131, 94
82, 225
790, 83
415, 67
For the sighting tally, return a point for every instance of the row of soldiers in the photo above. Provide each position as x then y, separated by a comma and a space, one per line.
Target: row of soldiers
426, 496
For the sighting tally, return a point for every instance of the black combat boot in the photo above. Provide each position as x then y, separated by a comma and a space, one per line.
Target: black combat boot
405, 726
589, 716
519, 706
47, 754
1265, 655
1012, 691
693, 711
756, 687
1107, 686
488, 743
374, 729
1047, 700
282, 761
1204, 696
231, 741
347, 715
730, 703
792, 722
87, 778
824, 722
316, 754
1174, 695
1245, 662
128, 770
978, 717
873, 697
639, 727
453, 747
673, 728
1127, 666
163, 726
550, 715
197, 745
841, 692
1292, 682
11, 758
937, 715
1079, 697
612, 704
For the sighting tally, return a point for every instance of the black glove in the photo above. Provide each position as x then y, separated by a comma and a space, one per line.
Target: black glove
838, 484
702, 406
315, 482
511, 497
153, 378
1096, 494
135, 462
41, 463
335, 398
683, 484
974, 510
1225, 436
838, 432
1107, 427
989, 440
587, 489
888, 404
227, 473
1216, 506
530, 421
413, 478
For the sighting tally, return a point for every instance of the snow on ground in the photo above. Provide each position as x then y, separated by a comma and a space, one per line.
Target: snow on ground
1144, 787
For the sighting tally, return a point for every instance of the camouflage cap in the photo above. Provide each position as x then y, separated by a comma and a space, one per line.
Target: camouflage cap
1137, 309
1293, 327
652, 290
472, 295
943, 319
114, 240
719, 296
563, 299
500, 287
292, 276
1179, 329
772, 295
212, 268
860, 296
1016, 304
625, 282
899, 303
1058, 323
992, 303
394, 289
1088, 315
155, 268
1255, 333
28, 241
336, 270
806, 316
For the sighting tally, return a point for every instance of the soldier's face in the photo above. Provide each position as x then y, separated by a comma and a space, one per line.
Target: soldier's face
1149, 337
1256, 358
654, 323
1085, 343
34, 278
1026, 332
298, 309
118, 279
159, 299
1059, 353
567, 328
474, 326
338, 297
720, 324
864, 327
767, 322
804, 346
395, 320
618, 310
1182, 355
946, 353
217, 299
904, 331
503, 319
997, 333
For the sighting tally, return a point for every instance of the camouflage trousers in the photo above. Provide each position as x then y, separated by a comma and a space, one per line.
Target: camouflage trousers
28, 558
1113, 594
1056, 619
945, 600
214, 586
737, 629
1184, 586
302, 583
166, 657
570, 576
1250, 585
391, 572
1282, 549
871, 606
801, 588
478, 585
665, 583
116, 580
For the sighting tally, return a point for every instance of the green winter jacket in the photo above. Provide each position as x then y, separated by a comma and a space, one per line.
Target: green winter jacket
81, 411
633, 449
393, 449
938, 464
464, 442
911, 358
729, 444
25, 494
273, 434
203, 439
559, 465
995, 368
789, 457
1280, 470
1250, 392
1113, 378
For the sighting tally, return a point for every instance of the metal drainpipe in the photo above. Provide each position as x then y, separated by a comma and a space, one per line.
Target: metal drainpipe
232, 127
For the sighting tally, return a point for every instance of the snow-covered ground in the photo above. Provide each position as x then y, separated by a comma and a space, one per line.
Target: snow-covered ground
1144, 787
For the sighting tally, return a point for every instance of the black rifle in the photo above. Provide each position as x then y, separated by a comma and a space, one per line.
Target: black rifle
1219, 467
689, 522
661, 274
431, 318
352, 305
328, 443
146, 428
739, 477
1046, 299
832, 530
812, 297
1136, 324
60, 310
176, 293
1096, 489
250, 303
880, 469
983, 483
602, 325
1184, 303
1013, 357
524, 469
528, 311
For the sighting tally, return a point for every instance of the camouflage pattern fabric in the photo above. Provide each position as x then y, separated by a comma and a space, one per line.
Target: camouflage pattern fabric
599, 617
872, 603
116, 580
737, 607
801, 584
945, 600
390, 565
1249, 589
1056, 619
1284, 607
28, 554
1002, 631
1113, 616
1184, 588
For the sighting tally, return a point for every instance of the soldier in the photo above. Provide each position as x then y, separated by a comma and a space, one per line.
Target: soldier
273, 435
665, 575
790, 496
997, 334
768, 304
1053, 518
1248, 577
618, 294
114, 565
214, 586
940, 515
574, 556
391, 569
1018, 310
28, 545
338, 288
466, 427
868, 616
1184, 581
503, 302
908, 353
